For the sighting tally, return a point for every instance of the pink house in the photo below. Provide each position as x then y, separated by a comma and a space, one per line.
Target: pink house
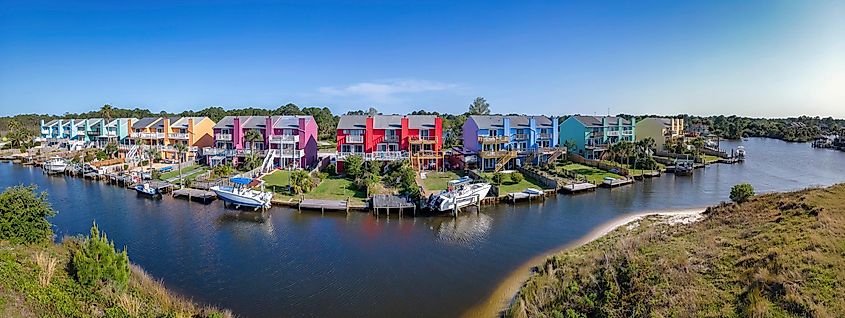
291, 140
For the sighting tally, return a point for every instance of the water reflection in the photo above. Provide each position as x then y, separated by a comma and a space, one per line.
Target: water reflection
464, 230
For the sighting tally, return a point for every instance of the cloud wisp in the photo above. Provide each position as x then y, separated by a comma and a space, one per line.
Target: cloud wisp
388, 91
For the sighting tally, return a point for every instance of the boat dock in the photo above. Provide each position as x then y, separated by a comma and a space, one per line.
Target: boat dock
323, 205
578, 187
515, 197
192, 194
160, 186
385, 202
616, 183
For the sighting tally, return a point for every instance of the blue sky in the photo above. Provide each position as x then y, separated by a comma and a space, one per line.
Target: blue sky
753, 58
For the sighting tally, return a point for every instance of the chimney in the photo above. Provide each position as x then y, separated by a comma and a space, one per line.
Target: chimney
303, 122
61, 128
190, 131
438, 133
404, 134
268, 130
555, 131
368, 134
236, 133
506, 125
166, 129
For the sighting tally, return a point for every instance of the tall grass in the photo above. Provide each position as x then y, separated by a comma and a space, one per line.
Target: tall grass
47, 267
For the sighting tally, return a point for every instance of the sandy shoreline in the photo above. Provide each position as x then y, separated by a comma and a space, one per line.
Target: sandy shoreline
507, 289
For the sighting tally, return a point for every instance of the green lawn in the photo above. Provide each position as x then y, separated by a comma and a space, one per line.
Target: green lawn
509, 186
277, 178
709, 158
594, 175
436, 181
331, 188
175, 172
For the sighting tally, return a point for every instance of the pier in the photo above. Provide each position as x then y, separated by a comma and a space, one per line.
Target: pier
323, 205
195, 194
579, 187
385, 202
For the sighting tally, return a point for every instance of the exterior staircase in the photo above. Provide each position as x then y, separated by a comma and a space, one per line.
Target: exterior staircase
267, 165
504, 159
132, 154
556, 154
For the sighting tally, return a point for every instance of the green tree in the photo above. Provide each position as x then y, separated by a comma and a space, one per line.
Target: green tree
98, 261
111, 149
152, 155
517, 177
252, 136
498, 178
23, 215
300, 182
289, 109
479, 106
741, 192
353, 166
106, 112
181, 150
570, 145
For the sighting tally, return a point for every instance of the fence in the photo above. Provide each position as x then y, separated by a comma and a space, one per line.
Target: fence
546, 181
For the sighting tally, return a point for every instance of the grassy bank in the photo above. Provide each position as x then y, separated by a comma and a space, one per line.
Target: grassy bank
593, 175
26, 290
776, 255
330, 188
438, 181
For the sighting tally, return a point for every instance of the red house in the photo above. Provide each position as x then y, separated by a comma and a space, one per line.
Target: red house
418, 138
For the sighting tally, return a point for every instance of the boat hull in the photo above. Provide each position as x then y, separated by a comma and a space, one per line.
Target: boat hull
252, 200
461, 198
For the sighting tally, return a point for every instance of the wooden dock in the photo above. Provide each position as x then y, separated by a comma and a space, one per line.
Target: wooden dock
578, 187
385, 202
515, 197
195, 194
616, 183
323, 205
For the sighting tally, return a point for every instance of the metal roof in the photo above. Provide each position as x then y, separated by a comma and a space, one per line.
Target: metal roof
386, 121
596, 121
260, 122
497, 121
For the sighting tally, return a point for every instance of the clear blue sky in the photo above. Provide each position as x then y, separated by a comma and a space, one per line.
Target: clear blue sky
755, 58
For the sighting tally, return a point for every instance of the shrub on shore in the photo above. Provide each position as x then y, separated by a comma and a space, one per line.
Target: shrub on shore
742, 192
23, 215
98, 261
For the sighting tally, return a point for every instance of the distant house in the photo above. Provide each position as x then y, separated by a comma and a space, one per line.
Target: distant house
100, 131
163, 133
660, 129
418, 138
290, 140
508, 141
697, 129
593, 134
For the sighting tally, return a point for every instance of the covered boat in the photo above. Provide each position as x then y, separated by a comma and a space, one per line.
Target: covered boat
55, 165
240, 193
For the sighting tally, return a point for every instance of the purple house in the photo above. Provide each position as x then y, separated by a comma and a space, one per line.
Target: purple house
291, 141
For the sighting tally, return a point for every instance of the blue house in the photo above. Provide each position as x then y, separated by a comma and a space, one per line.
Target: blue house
592, 135
508, 141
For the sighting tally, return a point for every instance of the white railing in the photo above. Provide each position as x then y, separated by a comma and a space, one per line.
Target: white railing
147, 135
223, 137
218, 152
520, 136
353, 139
178, 136
284, 138
386, 155
288, 153
109, 134
544, 136
627, 132
613, 133
393, 138
45, 131
344, 155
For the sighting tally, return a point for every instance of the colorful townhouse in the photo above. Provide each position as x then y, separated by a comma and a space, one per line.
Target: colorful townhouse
163, 133
593, 134
98, 131
418, 138
285, 141
660, 129
508, 141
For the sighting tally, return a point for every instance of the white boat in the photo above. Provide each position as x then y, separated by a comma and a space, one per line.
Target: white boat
241, 195
55, 165
146, 189
460, 193
740, 153
533, 191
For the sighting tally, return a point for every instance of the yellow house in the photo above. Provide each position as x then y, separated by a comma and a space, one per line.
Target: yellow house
660, 129
164, 133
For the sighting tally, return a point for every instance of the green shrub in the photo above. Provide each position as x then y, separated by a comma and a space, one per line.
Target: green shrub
517, 177
221, 171
97, 261
331, 169
300, 181
741, 192
23, 215
353, 166
498, 178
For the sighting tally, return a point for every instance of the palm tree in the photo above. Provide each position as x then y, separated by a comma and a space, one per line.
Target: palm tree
181, 149
111, 149
151, 153
106, 111
252, 137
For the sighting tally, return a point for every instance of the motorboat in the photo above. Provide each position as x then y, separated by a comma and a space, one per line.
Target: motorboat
608, 181
55, 165
533, 191
684, 167
740, 153
240, 194
459, 193
146, 189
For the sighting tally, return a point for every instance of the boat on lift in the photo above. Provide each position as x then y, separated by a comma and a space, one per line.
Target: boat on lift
241, 194
740, 153
146, 189
55, 165
459, 193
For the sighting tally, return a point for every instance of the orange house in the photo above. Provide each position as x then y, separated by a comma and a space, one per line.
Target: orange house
164, 133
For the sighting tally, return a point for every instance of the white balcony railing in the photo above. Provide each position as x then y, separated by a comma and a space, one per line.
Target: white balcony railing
218, 152
386, 155
544, 136
289, 153
178, 136
392, 138
284, 138
147, 135
45, 131
223, 137
354, 139
627, 132
612, 133
346, 154
520, 136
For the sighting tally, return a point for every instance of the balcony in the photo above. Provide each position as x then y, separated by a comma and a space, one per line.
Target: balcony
386, 155
147, 135
493, 139
223, 137
423, 139
612, 133
346, 154
93, 133
218, 152
520, 136
45, 131
392, 138
284, 138
183, 136
109, 134
495, 153
427, 154
544, 136
288, 153
353, 139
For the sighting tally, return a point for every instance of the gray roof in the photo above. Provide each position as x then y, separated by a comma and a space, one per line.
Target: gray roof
145, 122
497, 121
260, 122
183, 122
51, 123
596, 121
386, 121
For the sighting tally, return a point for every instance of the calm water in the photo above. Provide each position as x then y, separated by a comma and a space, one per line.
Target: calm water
292, 264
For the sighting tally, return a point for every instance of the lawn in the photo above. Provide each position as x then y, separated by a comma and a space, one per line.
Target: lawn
331, 188
508, 186
593, 175
175, 172
437, 181
276, 178
709, 158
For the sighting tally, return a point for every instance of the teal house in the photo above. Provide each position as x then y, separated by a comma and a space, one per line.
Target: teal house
591, 135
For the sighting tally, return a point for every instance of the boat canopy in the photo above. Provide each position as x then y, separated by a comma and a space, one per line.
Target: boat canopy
461, 180
241, 181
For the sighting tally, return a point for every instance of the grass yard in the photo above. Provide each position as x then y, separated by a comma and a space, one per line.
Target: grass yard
175, 172
331, 188
709, 158
437, 181
509, 186
278, 178
593, 175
